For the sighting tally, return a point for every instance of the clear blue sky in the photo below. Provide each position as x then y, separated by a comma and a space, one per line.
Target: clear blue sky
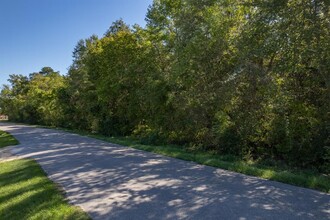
38, 33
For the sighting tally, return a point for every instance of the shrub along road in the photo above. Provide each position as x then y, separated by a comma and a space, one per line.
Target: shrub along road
109, 181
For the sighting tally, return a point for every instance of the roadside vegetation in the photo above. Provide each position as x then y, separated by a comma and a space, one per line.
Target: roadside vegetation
27, 193
7, 139
272, 170
239, 78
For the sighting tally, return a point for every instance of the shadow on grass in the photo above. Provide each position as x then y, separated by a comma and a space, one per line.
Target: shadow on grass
26, 193
11, 177
7, 140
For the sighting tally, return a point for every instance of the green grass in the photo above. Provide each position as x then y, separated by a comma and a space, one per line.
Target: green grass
7, 140
26, 193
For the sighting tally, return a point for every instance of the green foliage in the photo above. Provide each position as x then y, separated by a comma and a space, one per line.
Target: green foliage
248, 78
33, 99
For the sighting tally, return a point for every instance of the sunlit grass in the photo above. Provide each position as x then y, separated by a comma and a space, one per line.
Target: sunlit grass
26, 193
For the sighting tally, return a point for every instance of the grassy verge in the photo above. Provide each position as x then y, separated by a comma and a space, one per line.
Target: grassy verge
26, 193
7, 140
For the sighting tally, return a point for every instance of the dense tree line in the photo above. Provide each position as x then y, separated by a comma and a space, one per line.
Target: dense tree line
243, 77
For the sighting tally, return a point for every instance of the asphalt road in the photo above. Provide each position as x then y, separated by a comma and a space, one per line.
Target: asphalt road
114, 182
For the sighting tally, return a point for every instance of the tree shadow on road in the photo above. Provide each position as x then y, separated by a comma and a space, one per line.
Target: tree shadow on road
110, 181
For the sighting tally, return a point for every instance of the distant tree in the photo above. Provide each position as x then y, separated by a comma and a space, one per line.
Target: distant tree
116, 27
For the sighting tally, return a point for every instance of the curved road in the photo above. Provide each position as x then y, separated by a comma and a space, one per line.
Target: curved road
113, 182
